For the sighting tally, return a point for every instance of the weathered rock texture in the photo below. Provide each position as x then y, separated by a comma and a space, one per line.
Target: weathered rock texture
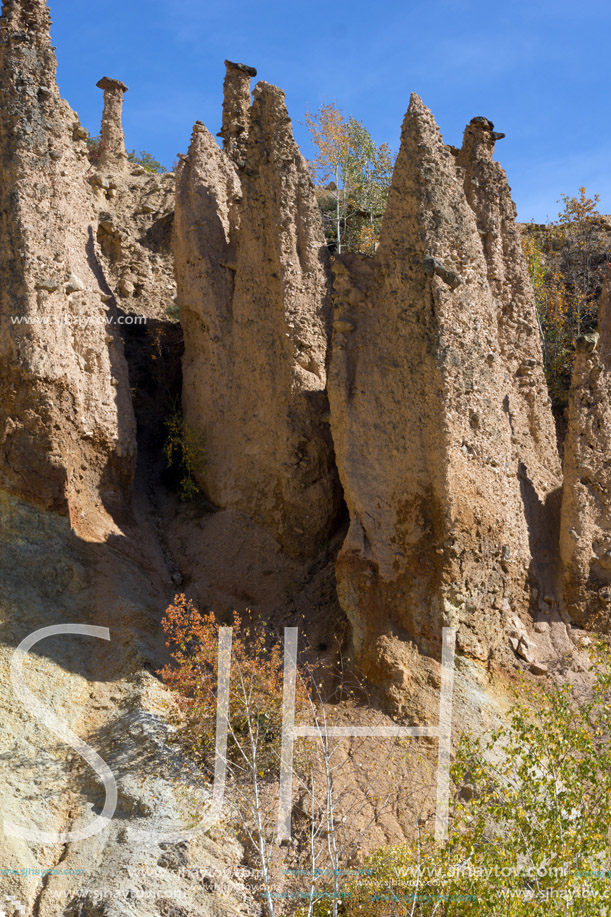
134, 234
68, 233
586, 494
527, 402
236, 109
252, 290
106, 693
436, 446
488, 194
66, 422
112, 143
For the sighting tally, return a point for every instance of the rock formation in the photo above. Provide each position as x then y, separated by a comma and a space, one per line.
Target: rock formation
532, 425
112, 145
135, 221
66, 423
252, 290
533, 431
67, 458
423, 415
585, 543
488, 194
436, 421
236, 109
440, 416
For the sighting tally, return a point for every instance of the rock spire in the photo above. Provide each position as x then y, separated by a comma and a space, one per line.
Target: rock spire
112, 144
236, 109
67, 437
423, 419
252, 286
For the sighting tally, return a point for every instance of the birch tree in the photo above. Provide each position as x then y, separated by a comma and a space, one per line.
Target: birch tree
352, 175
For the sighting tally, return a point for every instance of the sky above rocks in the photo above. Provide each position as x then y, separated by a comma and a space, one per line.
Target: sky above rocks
539, 70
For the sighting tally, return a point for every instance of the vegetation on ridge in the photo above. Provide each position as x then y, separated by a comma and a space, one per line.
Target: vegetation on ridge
530, 822
352, 175
144, 159
567, 260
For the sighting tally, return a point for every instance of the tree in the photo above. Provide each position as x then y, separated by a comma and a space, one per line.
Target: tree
148, 162
330, 137
335, 819
93, 147
553, 311
566, 262
353, 177
324, 809
254, 723
530, 833
369, 174
577, 222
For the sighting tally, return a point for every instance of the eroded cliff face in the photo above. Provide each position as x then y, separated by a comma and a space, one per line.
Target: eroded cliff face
135, 217
442, 426
586, 494
66, 424
528, 404
143, 862
442, 437
436, 444
252, 288
74, 547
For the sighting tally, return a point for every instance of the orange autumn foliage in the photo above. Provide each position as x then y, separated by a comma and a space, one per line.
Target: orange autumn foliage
256, 686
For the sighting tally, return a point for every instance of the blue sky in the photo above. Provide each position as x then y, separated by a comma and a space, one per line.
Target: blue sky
539, 70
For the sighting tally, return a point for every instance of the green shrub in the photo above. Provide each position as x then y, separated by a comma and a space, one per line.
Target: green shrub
185, 450
567, 260
147, 162
530, 826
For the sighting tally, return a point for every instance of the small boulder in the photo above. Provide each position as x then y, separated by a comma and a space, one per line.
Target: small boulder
526, 649
74, 285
